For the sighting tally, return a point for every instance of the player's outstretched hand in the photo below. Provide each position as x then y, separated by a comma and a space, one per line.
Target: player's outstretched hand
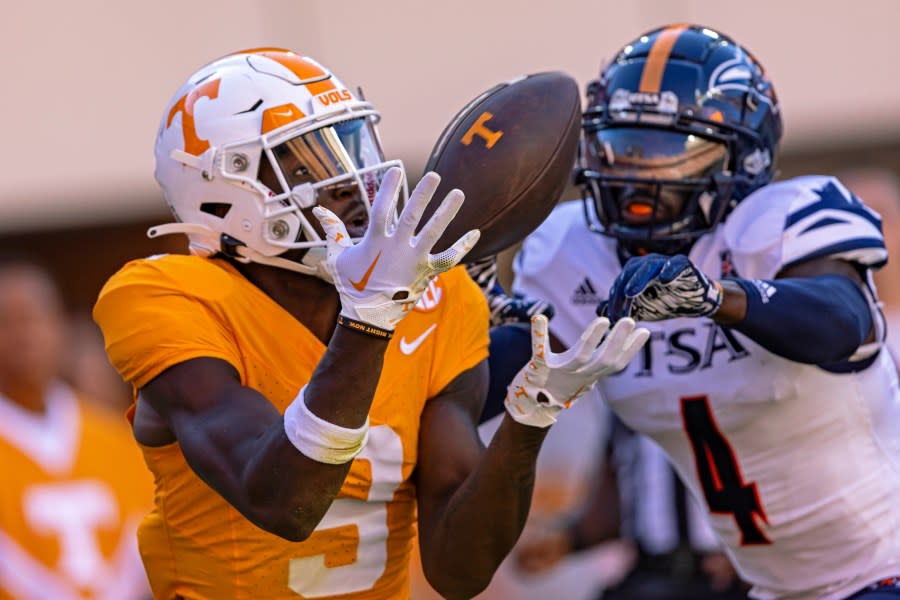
504, 309
551, 382
656, 287
381, 278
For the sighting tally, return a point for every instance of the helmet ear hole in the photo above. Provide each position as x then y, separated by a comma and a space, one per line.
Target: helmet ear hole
216, 209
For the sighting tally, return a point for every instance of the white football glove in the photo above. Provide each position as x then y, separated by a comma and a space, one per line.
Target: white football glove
381, 278
551, 382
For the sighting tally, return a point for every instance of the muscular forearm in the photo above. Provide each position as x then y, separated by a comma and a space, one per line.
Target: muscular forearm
235, 439
481, 522
340, 391
283, 491
343, 385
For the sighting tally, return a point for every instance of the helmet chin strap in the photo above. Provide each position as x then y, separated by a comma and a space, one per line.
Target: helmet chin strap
313, 262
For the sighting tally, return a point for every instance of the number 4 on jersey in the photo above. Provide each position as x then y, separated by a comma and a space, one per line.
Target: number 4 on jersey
723, 485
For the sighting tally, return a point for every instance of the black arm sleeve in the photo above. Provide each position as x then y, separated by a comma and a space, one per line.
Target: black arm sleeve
815, 320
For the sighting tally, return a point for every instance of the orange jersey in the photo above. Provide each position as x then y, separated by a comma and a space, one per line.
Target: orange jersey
74, 490
158, 312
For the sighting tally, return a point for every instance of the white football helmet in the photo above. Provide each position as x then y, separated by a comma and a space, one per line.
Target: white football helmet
250, 141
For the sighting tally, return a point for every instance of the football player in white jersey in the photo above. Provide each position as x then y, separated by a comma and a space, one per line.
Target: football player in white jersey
764, 379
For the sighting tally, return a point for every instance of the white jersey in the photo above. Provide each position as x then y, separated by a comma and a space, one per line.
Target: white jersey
651, 495
797, 465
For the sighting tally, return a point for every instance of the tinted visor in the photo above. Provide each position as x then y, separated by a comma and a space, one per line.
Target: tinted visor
332, 154
654, 153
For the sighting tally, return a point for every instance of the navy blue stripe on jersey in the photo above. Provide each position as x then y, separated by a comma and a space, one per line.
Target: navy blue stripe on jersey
843, 247
824, 222
846, 366
832, 198
831, 222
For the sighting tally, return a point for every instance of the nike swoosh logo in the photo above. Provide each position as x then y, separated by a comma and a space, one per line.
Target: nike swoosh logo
361, 284
410, 347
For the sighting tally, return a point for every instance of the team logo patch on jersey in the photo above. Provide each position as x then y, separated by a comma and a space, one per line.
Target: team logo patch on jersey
586, 293
432, 296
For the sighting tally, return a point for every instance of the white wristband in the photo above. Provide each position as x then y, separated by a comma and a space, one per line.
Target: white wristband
322, 440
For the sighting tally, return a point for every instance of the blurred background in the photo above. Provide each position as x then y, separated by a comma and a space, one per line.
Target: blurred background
85, 85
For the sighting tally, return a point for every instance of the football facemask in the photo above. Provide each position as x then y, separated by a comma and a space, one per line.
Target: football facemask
680, 112
652, 188
323, 167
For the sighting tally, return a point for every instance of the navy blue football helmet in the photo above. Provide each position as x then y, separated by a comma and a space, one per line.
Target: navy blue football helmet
680, 126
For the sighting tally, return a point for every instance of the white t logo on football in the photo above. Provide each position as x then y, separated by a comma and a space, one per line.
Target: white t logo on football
410, 347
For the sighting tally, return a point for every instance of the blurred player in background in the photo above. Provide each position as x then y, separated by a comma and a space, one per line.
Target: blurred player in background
74, 486
87, 367
637, 497
305, 402
764, 380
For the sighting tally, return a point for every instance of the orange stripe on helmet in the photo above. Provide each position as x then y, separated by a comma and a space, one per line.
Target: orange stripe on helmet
320, 86
185, 105
277, 116
261, 50
303, 68
651, 77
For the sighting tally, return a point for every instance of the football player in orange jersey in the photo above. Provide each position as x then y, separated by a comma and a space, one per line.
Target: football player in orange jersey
309, 381
74, 488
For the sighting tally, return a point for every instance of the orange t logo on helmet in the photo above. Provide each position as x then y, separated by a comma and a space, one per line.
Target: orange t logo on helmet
185, 105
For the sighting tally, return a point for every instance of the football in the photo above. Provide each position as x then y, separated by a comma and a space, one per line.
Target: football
511, 150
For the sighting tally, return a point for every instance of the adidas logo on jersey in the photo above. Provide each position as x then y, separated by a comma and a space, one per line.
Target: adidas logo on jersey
586, 293
766, 290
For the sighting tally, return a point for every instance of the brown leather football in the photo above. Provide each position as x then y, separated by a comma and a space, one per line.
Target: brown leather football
511, 150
